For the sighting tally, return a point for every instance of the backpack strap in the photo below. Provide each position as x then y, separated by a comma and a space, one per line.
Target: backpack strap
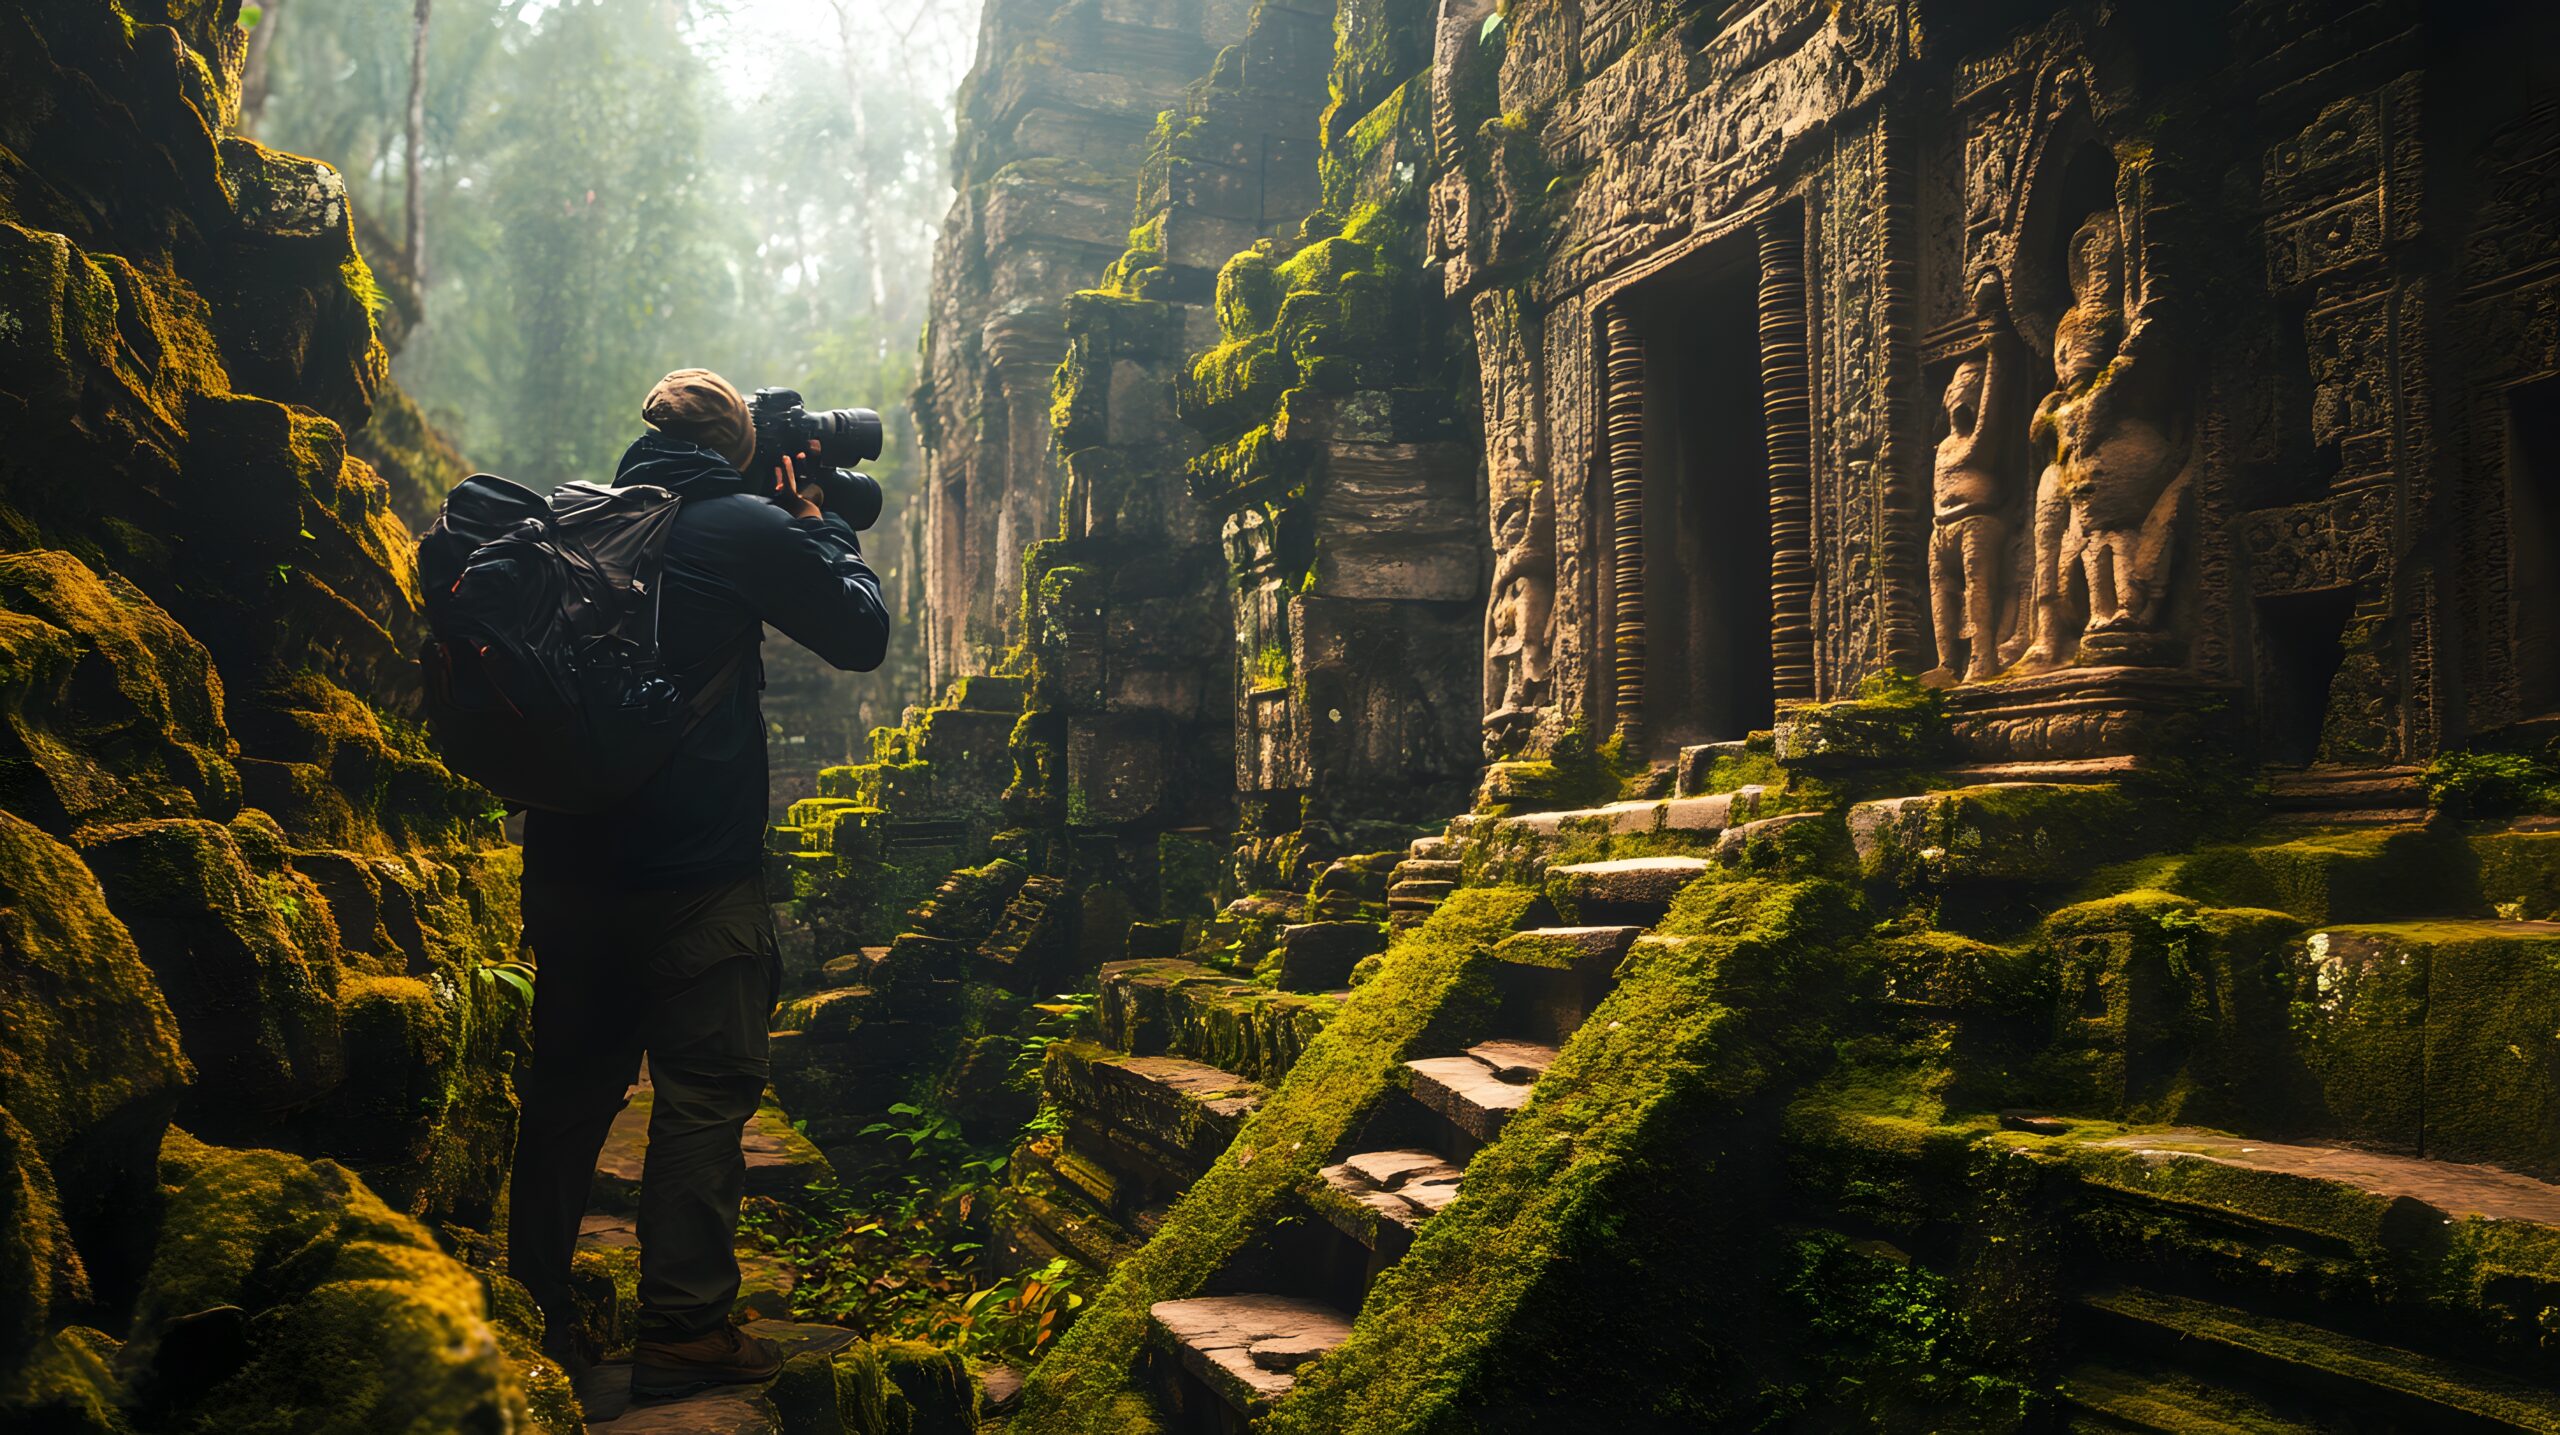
716, 688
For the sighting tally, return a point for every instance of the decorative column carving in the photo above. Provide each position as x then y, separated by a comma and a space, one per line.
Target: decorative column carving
1787, 419
1623, 407
1902, 507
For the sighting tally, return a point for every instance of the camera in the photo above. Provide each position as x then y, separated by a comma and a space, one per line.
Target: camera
845, 437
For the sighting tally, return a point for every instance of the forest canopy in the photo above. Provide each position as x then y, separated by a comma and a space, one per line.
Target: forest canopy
609, 189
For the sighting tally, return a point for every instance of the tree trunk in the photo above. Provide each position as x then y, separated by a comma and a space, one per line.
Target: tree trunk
865, 226
253, 74
415, 250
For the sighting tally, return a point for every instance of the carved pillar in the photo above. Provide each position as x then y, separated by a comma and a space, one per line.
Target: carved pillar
1622, 398
1902, 510
1787, 418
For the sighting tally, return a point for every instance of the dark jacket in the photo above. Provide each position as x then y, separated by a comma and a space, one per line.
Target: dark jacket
734, 563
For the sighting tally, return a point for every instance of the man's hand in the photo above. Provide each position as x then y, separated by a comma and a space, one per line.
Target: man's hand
797, 499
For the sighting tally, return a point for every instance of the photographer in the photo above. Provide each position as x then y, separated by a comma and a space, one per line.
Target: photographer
649, 925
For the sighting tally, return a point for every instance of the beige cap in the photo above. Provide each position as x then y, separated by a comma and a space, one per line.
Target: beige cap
701, 407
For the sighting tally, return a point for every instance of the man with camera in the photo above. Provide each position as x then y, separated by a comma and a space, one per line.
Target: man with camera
649, 924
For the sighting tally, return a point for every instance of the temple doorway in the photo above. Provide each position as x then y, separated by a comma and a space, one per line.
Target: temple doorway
2533, 543
1706, 502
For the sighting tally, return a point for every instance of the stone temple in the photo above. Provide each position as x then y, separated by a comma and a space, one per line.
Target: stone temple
1827, 713
1809, 715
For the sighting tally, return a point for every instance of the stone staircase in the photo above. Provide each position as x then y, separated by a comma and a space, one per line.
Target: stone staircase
1234, 1355
1185, 1054
1427, 875
2180, 1345
2347, 797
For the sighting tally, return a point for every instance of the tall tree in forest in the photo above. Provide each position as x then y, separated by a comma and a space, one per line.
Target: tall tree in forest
415, 161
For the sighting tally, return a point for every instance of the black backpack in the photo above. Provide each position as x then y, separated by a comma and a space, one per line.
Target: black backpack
542, 675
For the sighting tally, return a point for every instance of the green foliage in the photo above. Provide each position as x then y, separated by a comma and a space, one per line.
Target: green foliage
902, 1256
2494, 784
1892, 1350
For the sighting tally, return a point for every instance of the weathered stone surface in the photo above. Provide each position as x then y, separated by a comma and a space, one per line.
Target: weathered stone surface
1151, 1008
1319, 956
1247, 1348
1635, 887
1188, 1107
1479, 1091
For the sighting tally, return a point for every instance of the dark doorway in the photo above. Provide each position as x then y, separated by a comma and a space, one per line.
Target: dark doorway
1706, 503
2299, 651
2533, 543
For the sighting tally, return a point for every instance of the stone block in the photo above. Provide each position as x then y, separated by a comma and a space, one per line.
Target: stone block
1397, 521
1319, 956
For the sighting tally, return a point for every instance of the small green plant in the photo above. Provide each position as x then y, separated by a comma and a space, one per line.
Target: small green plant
2493, 784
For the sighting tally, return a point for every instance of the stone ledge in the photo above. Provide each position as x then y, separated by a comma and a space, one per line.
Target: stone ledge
1248, 1348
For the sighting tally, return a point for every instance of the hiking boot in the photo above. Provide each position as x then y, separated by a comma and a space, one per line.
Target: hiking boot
727, 1356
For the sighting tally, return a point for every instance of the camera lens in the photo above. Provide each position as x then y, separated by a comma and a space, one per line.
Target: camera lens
852, 496
847, 436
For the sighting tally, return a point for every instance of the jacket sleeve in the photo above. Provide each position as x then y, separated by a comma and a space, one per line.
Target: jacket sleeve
806, 577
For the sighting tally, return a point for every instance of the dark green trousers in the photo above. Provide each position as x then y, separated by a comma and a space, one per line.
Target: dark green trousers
688, 978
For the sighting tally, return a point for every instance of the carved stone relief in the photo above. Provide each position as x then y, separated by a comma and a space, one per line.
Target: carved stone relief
2120, 474
1519, 622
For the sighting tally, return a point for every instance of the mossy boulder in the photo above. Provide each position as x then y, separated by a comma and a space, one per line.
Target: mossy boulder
115, 712
90, 1068
355, 1320
257, 1013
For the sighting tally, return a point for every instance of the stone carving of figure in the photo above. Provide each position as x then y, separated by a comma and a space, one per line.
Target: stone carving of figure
2115, 491
1968, 538
1519, 619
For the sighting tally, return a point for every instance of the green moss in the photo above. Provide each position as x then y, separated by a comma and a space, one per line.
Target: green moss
2494, 784
69, 1383
358, 1322
1894, 1348
85, 1034
1434, 978
148, 741
1530, 1285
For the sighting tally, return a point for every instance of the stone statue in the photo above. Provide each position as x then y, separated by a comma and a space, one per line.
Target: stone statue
2115, 490
1519, 620
1969, 537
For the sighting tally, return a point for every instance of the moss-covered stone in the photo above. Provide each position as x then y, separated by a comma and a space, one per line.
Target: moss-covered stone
1434, 982
1532, 1291
115, 712
357, 1322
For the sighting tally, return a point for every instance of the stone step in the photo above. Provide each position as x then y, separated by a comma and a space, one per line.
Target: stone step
2455, 1188
1434, 869
2314, 788
1627, 891
853, 969
1553, 978
1697, 763
1425, 889
1430, 848
2119, 1393
1478, 1091
1189, 1108
726, 1410
1387, 1195
1169, 1007
2351, 817
2324, 1368
1701, 817
1319, 956
1566, 947
1248, 1348
780, 1161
